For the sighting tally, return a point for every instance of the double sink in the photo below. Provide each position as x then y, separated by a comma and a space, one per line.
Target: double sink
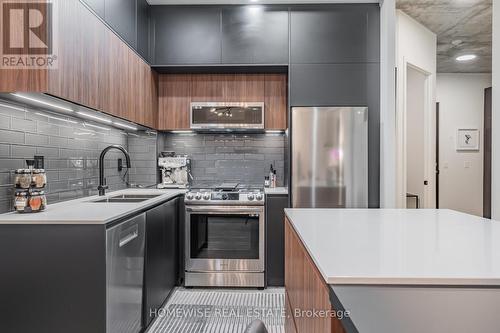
126, 198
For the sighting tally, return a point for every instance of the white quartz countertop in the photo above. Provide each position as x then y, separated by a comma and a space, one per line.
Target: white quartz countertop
410, 247
276, 190
84, 211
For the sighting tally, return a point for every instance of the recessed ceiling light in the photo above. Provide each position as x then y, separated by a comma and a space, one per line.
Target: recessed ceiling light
254, 0
42, 102
466, 57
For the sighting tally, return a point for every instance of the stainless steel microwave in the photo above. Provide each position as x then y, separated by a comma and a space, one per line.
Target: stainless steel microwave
221, 116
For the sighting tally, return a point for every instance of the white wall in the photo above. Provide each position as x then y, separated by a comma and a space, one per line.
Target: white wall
495, 183
415, 139
461, 105
416, 46
387, 104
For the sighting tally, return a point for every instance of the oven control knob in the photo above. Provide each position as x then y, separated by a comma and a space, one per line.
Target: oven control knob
224, 196
198, 196
206, 196
250, 196
189, 196
259, 196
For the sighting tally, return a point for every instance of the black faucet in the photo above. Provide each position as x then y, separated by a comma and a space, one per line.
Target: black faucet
102, 181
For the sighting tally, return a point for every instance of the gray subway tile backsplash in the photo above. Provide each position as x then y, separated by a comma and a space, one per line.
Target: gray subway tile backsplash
241, 157
71, 154
72, 151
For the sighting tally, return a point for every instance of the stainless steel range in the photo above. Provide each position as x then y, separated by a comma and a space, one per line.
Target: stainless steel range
225, 237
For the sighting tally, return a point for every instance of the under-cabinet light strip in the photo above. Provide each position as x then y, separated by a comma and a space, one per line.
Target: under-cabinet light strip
42, 102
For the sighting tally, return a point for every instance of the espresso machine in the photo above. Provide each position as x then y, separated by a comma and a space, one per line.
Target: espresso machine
175, 170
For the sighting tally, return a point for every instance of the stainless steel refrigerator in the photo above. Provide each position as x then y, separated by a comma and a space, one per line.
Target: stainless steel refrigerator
329, 162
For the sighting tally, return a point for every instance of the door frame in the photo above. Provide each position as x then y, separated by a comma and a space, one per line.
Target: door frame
429, 139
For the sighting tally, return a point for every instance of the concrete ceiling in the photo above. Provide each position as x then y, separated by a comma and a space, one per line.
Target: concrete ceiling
461, 26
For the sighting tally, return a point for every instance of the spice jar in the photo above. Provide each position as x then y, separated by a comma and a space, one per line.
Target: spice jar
39, 178
37, 201
23, 178
21, 201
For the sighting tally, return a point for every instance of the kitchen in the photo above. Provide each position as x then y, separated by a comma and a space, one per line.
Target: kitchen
200, 157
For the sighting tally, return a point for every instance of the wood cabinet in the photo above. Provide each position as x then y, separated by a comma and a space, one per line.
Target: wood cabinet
177, 91
275, 98
174, 98
98, 70
305, 289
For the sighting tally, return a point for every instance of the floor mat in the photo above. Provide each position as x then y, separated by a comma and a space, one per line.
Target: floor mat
219, 311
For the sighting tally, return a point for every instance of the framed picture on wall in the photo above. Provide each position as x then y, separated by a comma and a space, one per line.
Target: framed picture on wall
467, 139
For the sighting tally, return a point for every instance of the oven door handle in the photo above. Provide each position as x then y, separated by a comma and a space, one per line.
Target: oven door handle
225, 209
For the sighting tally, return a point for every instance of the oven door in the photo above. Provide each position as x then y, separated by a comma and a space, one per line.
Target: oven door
224, 238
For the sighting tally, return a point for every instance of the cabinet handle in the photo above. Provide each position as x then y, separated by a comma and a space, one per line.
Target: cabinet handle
130, 236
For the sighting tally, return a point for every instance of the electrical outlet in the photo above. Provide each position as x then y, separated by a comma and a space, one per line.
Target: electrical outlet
467, 164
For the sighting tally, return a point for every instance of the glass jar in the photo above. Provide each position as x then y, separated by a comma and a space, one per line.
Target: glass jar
23, 178
39, 178
37, 201
21, 201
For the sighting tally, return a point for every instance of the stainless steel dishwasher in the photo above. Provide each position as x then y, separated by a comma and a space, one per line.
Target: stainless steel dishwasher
124, 275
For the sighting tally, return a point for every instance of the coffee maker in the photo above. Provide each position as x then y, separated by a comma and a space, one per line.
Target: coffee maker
175, 170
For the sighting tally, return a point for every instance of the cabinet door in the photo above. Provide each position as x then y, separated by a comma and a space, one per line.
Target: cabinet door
171, 249
332, 84
143, 28
186, 35
121, 17
275, 235
243, 87
335, 34
254, 35
97, 6
276, 101
161, 256
174, 99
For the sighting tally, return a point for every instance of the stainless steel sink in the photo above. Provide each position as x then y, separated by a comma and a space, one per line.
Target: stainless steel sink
126, 198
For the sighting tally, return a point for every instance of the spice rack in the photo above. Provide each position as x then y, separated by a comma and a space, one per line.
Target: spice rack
29, 189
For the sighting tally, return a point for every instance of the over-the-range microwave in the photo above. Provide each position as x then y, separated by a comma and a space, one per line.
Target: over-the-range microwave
227, 116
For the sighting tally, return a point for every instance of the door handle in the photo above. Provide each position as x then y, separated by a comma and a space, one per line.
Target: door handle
131, 234
208, 210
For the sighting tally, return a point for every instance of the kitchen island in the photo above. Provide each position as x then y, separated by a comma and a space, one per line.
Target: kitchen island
95, 264
391, 271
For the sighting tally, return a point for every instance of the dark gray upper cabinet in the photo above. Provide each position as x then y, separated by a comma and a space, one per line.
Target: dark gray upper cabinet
97, 6
143, 28
328, 84
334, 34
254, 35
186, 35
121, 17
